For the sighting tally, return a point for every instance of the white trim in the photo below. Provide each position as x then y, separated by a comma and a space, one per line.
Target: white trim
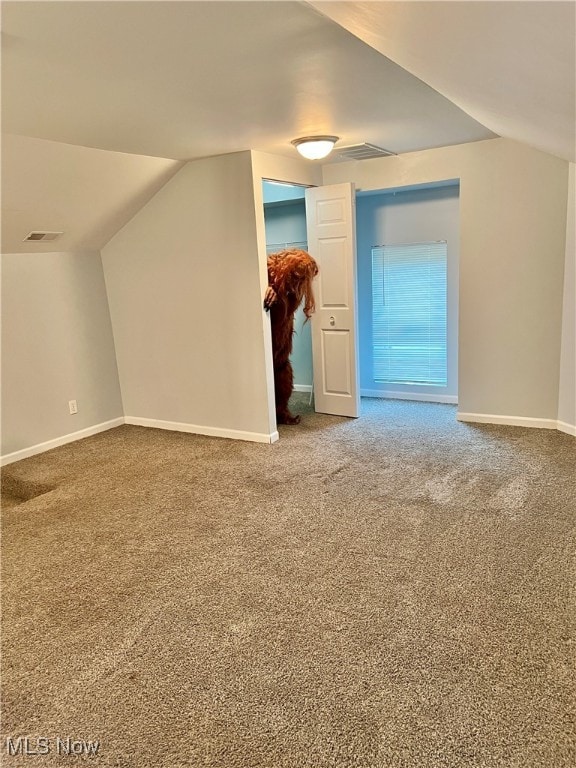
262, 437
195, 429
410, 396
569, 429
302, 387
513, 421
9, 458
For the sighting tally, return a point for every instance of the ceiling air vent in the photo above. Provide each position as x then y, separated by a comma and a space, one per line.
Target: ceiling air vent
361, 152
42, 236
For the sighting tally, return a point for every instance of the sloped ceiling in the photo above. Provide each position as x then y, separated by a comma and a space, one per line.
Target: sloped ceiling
191, 79
86, 193
93, 93
510, 65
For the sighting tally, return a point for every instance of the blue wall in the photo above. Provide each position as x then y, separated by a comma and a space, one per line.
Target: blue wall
286, 223
386, 218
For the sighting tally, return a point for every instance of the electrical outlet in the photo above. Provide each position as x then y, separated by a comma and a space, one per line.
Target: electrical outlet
72, 406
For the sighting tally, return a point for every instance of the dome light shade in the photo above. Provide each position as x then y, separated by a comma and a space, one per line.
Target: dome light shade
315, 147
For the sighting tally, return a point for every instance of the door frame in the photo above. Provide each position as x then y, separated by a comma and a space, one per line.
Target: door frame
262, 253
403, 392
295, 171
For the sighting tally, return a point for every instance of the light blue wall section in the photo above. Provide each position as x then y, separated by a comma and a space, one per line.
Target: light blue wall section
386, 218
277, 191
286, 223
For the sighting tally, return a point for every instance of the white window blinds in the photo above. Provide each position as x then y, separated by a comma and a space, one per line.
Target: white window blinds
409, 313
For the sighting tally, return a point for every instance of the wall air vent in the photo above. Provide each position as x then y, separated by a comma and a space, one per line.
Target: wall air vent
43, 237
361, 152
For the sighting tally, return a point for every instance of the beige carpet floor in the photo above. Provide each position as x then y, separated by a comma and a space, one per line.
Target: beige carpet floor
395, 591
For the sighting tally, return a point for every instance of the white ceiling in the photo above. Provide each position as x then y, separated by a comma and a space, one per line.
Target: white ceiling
510, 65
190, 79
94, 92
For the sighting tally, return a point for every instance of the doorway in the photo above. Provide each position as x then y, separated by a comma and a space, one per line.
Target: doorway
285, 227
408, 291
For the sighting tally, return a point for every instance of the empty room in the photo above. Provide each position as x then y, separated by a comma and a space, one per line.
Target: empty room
288, 423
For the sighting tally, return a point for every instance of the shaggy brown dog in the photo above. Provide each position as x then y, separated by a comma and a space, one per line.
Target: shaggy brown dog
290, 275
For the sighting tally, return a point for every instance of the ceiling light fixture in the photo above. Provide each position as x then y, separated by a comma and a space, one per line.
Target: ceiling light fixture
315, 147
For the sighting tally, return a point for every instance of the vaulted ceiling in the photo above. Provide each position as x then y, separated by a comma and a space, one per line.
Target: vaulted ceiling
194, 78
190, 79
510, 65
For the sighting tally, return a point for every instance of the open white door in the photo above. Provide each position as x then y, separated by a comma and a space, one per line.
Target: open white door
330, 221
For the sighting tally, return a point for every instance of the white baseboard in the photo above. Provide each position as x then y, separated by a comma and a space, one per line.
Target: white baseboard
260, 437
9, 458
302, 387
196, 429
512, 421
234, 434
569, 429
453, 399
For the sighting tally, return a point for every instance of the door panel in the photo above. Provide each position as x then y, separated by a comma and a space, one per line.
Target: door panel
332, 290
330, 216
336, 357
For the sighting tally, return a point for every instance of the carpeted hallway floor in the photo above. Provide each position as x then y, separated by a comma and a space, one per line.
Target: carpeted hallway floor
395, 591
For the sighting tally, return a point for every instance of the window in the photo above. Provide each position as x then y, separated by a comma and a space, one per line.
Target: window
409, 313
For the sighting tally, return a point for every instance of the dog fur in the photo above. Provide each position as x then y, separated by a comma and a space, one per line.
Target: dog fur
290, 276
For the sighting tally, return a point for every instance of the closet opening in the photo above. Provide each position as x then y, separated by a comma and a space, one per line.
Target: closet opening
285, 227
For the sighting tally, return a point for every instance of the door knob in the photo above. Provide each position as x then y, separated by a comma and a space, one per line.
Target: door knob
332, 321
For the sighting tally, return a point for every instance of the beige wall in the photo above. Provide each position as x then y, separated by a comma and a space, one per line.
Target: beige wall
567, 397
56, 346
185, 287
512, 253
